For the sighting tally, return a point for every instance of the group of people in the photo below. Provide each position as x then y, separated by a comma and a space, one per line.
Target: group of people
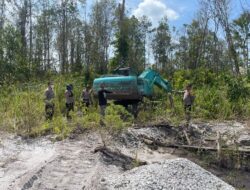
70, 100
49, 100
188, 100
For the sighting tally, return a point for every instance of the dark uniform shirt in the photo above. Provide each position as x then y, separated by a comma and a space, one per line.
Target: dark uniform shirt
102, 97
49, 94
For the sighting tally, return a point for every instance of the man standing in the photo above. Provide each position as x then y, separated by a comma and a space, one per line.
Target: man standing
49, 104
102, 97
69, 96
188, 100
86, 96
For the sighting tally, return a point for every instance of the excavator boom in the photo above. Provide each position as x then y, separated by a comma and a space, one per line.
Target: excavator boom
154, 78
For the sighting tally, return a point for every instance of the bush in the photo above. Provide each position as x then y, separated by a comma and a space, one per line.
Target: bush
90, 120
117, 117
22, 110
212, 104
238, 90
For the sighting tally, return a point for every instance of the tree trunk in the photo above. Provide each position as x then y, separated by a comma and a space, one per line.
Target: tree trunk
23, 20
72, 54
31, 34
232, 52
64, 40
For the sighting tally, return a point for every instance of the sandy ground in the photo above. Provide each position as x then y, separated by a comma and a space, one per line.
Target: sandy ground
41, 164
70, 164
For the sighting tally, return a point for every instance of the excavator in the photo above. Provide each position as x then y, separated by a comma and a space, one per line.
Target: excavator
129, 89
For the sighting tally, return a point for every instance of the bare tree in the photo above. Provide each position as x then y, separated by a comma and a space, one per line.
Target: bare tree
220, 10
203, 20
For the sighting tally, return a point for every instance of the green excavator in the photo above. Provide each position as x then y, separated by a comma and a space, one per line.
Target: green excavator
129, 89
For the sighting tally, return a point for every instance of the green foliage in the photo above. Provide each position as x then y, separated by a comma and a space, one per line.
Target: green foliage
154, 111
129, 44
198, 77
241, 29
60, 126
181, 78
21, 110
212, 104
113, 64
162, 46
22, 105
117, 117
215, 92
13, 65
238, 89
90, 119
122, 47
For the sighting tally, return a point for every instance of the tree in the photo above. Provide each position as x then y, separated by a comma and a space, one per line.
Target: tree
219, 10
162, 46
102, 21
44, 32
121, 39
181, 53
2, 20
13, 67
137, 31
241, 33
199, 47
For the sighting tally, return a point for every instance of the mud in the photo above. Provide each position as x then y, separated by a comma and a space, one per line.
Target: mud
82, 160
117, 158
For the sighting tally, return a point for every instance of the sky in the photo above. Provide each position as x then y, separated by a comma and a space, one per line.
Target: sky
179, 12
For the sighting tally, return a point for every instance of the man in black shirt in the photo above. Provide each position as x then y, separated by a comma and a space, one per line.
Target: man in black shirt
102, 97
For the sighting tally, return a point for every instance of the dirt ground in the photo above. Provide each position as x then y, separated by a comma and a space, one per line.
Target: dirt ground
77, 163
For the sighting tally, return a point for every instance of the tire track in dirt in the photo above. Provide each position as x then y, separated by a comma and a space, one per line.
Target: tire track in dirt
71, 167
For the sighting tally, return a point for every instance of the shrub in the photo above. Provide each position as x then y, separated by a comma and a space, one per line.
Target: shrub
90, 120
238, 89
117, 117
24, 109
212, 104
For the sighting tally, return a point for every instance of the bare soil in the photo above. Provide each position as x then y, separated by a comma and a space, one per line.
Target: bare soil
79, 162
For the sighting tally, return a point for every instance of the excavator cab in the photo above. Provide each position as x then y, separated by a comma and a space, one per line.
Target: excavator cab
125, 71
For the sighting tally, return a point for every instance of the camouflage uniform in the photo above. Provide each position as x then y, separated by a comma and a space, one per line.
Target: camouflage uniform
69, 100
49, 104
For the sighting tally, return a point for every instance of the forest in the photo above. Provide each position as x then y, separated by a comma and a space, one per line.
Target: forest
41, 38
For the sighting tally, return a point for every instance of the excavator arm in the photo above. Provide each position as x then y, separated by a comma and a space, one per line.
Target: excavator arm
154, 78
